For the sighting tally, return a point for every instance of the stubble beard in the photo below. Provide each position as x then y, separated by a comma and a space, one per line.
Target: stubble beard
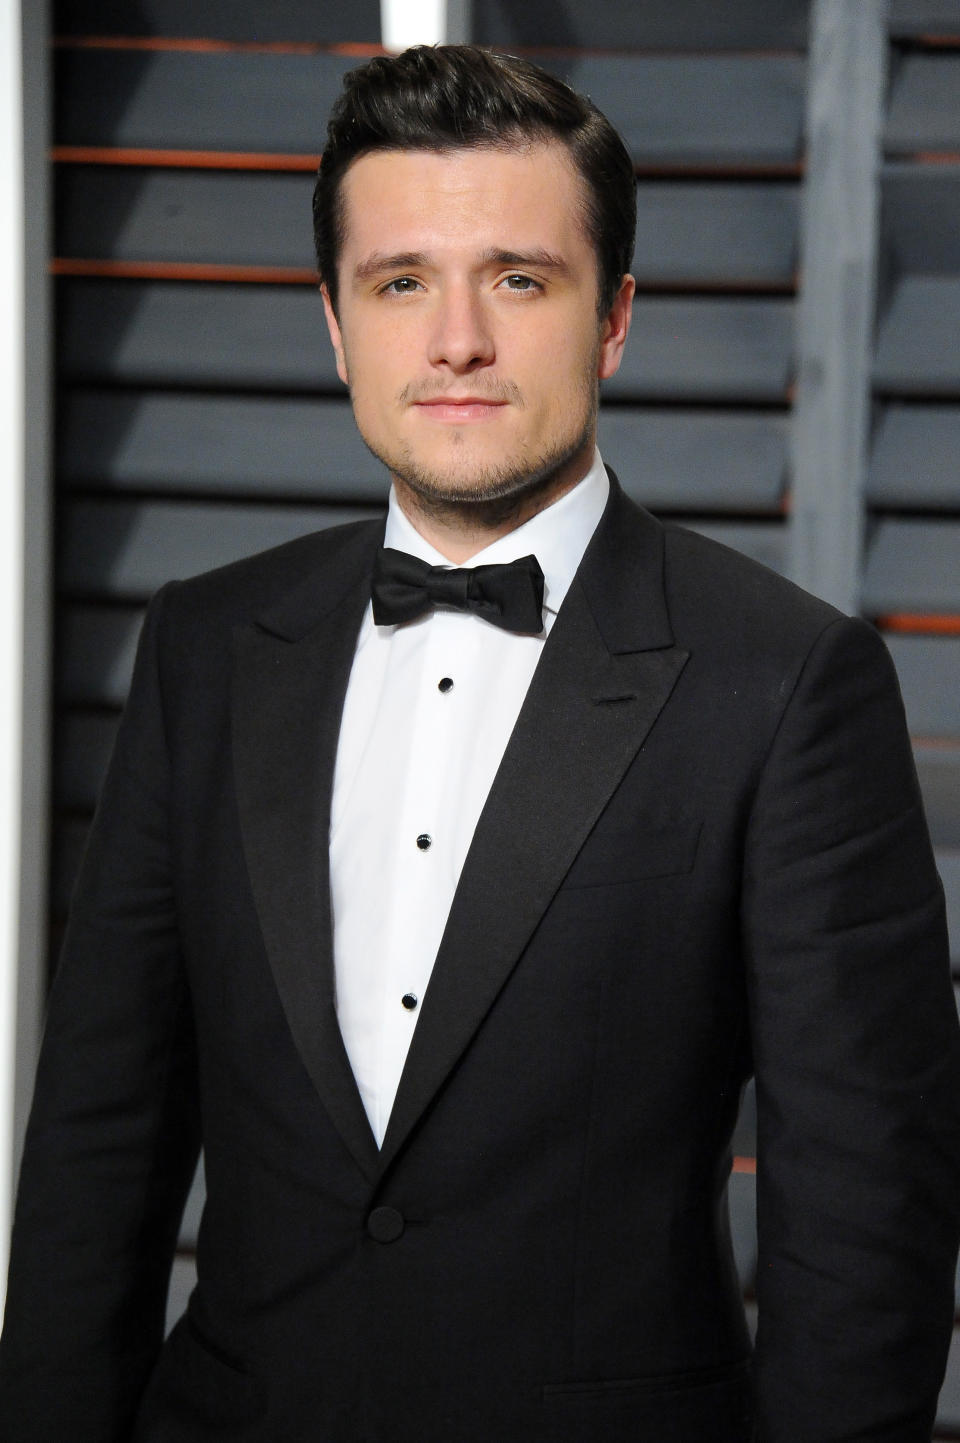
489, 497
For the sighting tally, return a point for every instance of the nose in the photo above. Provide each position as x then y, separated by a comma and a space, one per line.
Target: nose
461, 338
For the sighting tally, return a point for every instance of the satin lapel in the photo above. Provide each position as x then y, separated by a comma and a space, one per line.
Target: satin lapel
287, 700
591, 703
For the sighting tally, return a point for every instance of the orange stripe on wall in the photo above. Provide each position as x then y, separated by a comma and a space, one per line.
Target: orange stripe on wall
932, 157
745, 1164
931, 625
187, 43
254, 160
192, 159
185, 271
948, 42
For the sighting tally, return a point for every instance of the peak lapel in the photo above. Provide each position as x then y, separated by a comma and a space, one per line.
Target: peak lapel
605, 674
290, 677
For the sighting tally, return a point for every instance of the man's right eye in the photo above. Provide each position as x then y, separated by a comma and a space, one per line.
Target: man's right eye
401, 286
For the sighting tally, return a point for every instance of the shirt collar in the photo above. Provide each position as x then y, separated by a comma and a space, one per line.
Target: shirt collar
557, 536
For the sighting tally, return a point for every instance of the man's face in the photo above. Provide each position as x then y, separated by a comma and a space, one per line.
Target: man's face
468, 329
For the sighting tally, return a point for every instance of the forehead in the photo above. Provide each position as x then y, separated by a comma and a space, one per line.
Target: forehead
408, 199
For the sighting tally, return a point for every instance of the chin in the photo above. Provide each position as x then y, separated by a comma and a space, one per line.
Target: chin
455, 479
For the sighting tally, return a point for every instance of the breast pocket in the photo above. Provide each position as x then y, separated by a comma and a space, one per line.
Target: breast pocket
650, 848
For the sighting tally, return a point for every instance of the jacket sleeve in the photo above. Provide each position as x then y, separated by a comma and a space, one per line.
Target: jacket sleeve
113, 1134
857, 1064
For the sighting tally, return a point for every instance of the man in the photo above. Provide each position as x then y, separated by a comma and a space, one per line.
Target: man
454, 927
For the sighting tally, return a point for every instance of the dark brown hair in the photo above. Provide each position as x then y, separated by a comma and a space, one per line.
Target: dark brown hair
451, 96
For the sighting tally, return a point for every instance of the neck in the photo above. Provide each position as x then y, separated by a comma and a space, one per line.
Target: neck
459, 529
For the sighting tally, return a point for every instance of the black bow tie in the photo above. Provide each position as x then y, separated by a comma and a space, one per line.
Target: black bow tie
508, 596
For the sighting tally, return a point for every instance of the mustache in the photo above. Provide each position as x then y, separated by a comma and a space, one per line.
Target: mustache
491, 389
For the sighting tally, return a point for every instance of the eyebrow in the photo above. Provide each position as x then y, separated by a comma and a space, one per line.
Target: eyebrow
379, 262
536, 259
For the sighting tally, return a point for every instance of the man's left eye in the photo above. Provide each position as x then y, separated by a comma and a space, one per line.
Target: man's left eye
519, 283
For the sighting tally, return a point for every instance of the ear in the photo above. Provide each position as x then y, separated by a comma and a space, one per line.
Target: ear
336, 338
615, 327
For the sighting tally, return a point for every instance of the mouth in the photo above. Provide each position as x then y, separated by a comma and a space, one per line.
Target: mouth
459, 408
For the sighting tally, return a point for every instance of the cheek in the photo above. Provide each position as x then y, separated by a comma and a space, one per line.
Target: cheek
565, 385
561, 361
379, 369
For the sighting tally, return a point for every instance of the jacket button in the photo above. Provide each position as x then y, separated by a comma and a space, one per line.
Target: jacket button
385, 1224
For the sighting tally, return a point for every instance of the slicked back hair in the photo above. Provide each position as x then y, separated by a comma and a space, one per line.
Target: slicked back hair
451, 97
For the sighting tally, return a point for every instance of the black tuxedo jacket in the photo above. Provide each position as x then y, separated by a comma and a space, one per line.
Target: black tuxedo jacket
703, 855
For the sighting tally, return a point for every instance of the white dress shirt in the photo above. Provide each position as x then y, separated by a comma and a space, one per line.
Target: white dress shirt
429, 709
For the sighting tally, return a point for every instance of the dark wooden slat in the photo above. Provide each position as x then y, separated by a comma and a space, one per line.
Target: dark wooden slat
912, 565
658, 24
169, 333
716, 233
708, 233
707, 349
929, 672
697, 459
716, 109
125, 549
281, 20
916, 458
920, 217
939, 771
179, 333
909, 18
218, 100
141, 441
917, 352
924, 112
133, 214
676, 458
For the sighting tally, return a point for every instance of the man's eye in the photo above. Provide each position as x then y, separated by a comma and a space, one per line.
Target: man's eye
402, 286
520, 283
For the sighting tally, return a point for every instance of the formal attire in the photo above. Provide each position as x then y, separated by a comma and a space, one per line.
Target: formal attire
429, 710
702, 856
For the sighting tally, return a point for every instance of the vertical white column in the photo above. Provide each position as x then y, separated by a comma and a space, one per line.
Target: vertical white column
831, 413
423, 22
11, 577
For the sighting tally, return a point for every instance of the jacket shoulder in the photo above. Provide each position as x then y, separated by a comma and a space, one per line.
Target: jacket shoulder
716, 592
191, 624
243, 590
